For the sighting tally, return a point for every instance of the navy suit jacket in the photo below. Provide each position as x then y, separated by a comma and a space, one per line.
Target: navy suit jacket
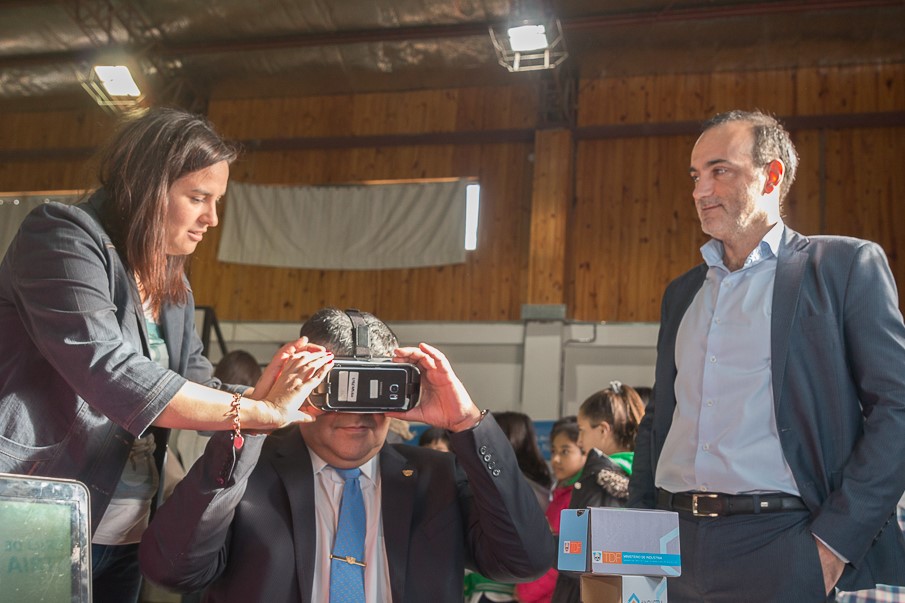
245, 528
838, 363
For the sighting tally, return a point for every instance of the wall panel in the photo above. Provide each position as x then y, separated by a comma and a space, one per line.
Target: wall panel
631, 225
865, 189
70, 134
635, 226
634, 223
489, 286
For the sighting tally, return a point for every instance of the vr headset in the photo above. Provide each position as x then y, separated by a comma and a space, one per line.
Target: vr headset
364, 384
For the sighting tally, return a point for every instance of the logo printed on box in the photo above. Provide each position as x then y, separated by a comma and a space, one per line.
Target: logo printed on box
606, 557
571, 547
638, 542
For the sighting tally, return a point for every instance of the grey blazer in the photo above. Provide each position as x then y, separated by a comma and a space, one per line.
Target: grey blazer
838, 361
76, 387
243, 524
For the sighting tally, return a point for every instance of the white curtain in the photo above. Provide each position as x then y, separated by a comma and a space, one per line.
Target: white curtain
14, 208
345, 227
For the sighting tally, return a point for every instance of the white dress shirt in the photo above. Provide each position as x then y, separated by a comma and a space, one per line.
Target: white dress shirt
328, 492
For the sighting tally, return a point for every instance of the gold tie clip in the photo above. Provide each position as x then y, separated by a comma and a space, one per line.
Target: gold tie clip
349, 559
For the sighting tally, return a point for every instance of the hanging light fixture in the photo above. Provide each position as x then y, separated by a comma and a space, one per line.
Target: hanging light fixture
532, 40
112, 87
117, 80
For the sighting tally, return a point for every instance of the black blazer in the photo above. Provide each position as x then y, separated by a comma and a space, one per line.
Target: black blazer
254, 539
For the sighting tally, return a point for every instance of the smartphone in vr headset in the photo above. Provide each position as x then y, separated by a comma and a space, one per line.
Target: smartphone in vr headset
364, 384
368, 386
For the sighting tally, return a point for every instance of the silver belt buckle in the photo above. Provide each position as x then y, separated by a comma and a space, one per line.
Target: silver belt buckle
694, 504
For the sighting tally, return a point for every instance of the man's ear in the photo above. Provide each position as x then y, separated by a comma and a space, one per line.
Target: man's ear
775, 171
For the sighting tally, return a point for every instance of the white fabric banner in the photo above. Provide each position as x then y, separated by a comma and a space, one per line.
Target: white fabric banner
345, 227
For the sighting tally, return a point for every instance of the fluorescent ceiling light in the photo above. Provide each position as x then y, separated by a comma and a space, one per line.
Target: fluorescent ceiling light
472, 204
117, 80
529, 47
527, 37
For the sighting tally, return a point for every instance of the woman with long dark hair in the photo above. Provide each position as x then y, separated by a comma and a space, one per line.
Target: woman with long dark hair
99, 345
519, 428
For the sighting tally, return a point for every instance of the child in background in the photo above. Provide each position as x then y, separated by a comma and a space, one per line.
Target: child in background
435, 438
567, 460
607, 423
519, 428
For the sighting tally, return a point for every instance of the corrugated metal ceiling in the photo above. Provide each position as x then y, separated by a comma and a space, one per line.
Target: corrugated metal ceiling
189, 50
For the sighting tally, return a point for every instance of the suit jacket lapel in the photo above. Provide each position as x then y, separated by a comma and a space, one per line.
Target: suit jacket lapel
292, 464
398, 486
685, 292
790, 267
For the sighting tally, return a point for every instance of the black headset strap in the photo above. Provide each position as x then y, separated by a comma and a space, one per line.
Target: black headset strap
361, 335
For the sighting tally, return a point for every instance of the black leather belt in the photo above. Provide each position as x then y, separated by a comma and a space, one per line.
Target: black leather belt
711, 504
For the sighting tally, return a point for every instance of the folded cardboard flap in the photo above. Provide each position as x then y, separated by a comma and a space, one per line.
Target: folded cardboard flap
597, 588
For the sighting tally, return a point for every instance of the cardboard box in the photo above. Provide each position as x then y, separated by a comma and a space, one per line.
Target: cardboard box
611, 540
597, 588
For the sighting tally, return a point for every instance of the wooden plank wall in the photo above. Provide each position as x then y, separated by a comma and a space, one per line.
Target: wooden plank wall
489, 286
71, 135
601, 227
634, 227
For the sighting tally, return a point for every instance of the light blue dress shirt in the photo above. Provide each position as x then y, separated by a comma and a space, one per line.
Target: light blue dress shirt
723, 436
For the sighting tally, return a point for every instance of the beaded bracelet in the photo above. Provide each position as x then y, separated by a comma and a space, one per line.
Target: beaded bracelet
238, 440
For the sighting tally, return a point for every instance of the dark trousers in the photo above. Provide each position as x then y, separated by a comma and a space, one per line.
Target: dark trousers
115, 577
757, 558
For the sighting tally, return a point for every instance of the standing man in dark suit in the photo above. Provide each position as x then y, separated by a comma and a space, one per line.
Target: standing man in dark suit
257, 524
777, 423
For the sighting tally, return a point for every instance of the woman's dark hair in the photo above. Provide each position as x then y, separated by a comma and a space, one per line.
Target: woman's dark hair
621, 407
567, 426
520, 430
137, 169
433, 434
238, 368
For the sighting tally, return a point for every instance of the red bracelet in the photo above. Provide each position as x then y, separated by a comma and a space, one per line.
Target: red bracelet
238, 440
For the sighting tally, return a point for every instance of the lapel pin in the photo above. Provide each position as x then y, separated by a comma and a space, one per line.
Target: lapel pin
408, 472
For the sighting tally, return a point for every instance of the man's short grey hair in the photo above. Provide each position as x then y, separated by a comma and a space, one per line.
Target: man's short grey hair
332, 328
771, 141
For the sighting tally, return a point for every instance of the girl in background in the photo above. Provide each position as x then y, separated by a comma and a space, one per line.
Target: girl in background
436, 438
607, 423
567, 460
519, 428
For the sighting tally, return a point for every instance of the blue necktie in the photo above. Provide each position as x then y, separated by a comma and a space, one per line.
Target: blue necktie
347, 572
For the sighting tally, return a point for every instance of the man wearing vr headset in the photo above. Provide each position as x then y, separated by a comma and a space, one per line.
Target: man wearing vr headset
259, 521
